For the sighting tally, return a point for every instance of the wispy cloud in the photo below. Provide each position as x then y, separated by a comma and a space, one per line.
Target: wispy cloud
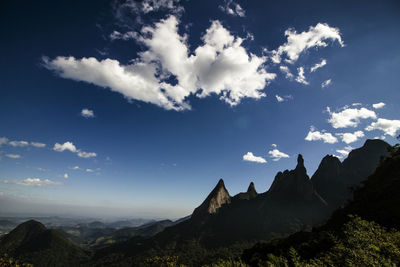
300, 76
230, 7
87, 113
326, 83
318, 65
13, 156
32, 182
71, 147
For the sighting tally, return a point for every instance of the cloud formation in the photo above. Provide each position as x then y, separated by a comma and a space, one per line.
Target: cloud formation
297, 43
286, 71
349, 117
314, 135
344, 152
378, 105
18, 143
351, 137
318, 65
221, 66
326, 83
13, 156
71, 147
232, 8
390, 127
32, 182
300, 77
250, 157
276, 155
37, 144
87, 113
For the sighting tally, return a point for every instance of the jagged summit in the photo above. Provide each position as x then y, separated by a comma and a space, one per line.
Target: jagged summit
219, 196
251, 191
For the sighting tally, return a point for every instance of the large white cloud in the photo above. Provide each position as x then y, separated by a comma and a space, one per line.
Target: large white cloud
250, 157
276, 155
314, 135
300, 42
351, 137
349, 117
221, 65
71, 147
32, 182
390, 127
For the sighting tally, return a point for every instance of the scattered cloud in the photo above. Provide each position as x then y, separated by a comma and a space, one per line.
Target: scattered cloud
314, 135
283, 98
71, 147
37, 144
390, 127
18, 143
232, 8
274, 145
66, 146
89, 170
344, 152
351, 137
276, 155
349, 117
65, 176
279, 99
318, 65
87, 113
13, 156
220, 66
300, 77
32, 182
356, 104
297, 43
326, 83
286, 71
378, 105
75, 168
3, 141
250, 157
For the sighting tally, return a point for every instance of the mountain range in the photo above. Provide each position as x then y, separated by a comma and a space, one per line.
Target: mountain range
294, 202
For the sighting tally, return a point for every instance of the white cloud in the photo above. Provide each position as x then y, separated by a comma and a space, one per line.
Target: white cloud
300, 42
390, 127
66, 146
65, 176
221, 66
18, 143
232, 8
349, 117
250, 157
89, 170
274, 145
356, 104
314, 135
283, 98
3, 140
276, 155
286, 71
318, 65
75, 168
71, 147
279, 98
32, 182
87, 113
300, 77
37, 144
13, 156
351, 137
378, 105
326, 83
344, 152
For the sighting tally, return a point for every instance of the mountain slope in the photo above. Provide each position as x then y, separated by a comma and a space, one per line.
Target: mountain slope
32, 242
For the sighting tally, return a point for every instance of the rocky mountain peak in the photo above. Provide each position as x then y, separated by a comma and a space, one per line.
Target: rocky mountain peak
251, 191
218, 197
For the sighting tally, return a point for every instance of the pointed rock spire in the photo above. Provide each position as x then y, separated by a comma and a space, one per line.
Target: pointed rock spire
251, 191
218, 197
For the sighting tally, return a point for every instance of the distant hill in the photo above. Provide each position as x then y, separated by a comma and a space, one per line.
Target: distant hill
32, 242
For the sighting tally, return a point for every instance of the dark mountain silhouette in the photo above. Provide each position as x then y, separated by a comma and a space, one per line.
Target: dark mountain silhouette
32, 242
333, 180
249, 194
351, 236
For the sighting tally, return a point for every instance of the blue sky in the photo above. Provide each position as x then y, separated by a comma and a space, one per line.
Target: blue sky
136, 109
